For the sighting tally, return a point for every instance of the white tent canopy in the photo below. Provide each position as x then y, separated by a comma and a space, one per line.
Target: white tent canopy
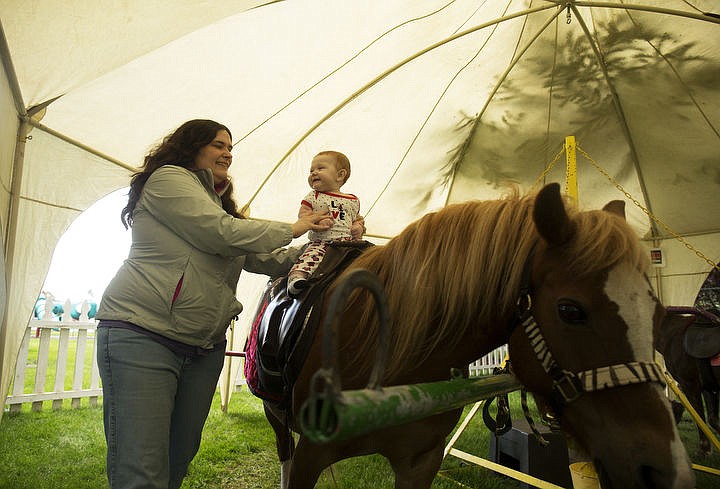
434, 102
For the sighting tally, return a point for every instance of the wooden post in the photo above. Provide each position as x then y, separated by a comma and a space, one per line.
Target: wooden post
61, 366
42, 364
19, 380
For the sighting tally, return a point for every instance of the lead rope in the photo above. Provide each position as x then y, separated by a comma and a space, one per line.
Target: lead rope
526, 412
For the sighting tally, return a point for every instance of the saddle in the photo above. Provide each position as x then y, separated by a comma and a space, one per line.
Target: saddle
284, 327
702, 338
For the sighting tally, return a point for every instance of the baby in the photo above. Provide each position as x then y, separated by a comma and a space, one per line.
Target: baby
329, 171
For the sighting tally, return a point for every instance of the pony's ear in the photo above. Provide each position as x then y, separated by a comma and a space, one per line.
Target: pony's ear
616, 207
550, 218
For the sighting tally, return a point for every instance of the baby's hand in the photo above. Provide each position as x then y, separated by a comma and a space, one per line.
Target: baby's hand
327, 222
357, 229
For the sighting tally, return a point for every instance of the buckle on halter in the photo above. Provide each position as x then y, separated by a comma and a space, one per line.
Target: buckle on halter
568, 387
523, 304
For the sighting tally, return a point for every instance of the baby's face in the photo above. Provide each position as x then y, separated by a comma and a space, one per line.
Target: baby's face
324, 175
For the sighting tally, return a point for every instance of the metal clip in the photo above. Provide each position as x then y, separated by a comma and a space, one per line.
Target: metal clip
568, 387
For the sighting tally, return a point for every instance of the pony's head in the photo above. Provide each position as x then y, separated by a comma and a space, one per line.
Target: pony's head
585, 345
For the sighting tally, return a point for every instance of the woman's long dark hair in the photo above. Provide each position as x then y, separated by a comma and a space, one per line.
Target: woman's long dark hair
180, 149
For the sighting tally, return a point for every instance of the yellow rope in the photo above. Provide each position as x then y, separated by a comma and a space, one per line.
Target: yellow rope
548, 168
691, 410
515, 474
443, 474
656, 219
708, 470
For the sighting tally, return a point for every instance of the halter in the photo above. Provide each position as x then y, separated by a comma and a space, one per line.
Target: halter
569, 386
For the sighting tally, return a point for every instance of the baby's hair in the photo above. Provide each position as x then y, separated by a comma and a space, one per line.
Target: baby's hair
341, 162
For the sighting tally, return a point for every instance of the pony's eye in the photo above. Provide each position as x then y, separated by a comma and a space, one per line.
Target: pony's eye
571, 313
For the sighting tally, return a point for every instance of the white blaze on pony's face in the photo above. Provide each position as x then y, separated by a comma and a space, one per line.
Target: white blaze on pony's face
636, 306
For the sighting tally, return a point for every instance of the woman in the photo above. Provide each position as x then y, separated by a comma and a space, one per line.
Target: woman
163, 317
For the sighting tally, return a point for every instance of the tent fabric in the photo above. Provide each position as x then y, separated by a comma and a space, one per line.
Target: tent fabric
434, 102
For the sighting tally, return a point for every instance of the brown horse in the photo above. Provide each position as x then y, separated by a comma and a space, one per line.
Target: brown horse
453, 280
698, 380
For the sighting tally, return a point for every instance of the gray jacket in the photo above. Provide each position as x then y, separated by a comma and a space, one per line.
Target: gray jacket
180, 232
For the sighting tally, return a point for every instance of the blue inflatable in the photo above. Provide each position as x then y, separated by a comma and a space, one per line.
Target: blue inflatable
58, 309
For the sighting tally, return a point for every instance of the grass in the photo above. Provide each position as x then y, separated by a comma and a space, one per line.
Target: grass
66, 449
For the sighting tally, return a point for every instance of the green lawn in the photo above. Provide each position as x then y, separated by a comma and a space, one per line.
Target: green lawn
65, 449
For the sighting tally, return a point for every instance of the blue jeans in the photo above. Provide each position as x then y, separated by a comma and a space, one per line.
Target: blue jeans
155, 403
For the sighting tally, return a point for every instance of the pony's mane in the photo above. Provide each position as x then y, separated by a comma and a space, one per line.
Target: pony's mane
601, 241
462, 266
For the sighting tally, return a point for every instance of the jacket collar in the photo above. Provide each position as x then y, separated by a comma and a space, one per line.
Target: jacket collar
206, 178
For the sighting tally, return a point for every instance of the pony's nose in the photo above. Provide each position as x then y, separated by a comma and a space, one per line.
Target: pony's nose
665, 478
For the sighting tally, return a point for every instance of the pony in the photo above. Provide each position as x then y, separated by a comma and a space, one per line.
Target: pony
696, 377
567, 290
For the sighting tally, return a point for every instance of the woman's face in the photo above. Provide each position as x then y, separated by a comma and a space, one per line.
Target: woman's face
216, 156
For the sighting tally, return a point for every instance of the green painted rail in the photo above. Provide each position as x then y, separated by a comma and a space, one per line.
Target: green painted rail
325, 418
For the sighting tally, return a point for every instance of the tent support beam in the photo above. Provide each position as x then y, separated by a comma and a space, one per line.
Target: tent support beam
551, 5
501, 80
82, 146
15, 185
621, 115
642, 8
11, 233
11, 74
380, 77
661, 237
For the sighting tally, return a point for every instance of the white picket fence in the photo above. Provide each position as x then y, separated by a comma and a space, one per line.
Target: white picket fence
486, 364
67, 333
48, 333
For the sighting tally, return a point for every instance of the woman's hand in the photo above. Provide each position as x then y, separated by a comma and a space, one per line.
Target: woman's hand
311, 222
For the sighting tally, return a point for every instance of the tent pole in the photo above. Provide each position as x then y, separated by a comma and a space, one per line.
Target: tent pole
646, 8
499, 83
599, 58
16, 182
377, 79
82, 146
10, 237
11, 75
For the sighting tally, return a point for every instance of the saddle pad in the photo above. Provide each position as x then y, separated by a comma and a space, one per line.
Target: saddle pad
702, 339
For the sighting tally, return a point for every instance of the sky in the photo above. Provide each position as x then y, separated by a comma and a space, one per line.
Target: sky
90, 252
